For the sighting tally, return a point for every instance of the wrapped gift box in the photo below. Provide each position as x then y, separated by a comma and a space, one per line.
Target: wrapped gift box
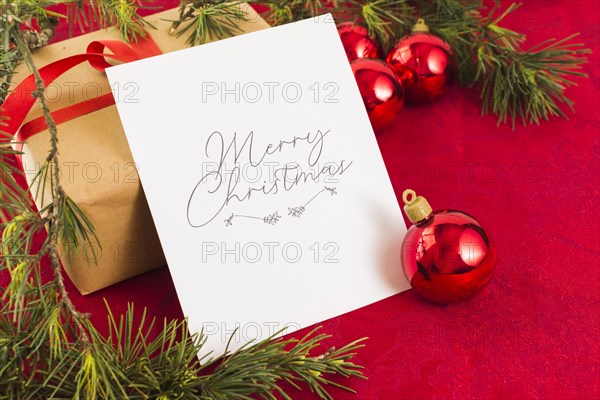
97, 167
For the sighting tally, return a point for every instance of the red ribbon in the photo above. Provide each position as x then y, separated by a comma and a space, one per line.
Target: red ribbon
21, 100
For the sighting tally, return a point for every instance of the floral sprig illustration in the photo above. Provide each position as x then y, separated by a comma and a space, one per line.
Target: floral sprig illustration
298, 211
270, 219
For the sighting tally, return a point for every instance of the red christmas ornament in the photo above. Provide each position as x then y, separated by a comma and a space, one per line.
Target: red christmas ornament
380, 89
446, 255
357, 42
421, 61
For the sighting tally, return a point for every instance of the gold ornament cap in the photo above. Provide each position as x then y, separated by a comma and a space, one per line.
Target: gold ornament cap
416, 207
420, 26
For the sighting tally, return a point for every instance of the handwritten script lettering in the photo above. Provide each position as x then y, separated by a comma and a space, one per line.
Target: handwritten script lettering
226, 184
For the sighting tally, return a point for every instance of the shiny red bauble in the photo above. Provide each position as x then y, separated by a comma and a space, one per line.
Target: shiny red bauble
380, 89
422, 62
357, 42
446, 256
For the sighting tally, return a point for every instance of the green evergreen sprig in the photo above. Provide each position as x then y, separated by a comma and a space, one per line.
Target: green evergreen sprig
87, 13
9, 59
283, 11
382, 17
515, 84
385, 19
122, 14
208, 20
13, 15
258, 369
11, 193
41, 356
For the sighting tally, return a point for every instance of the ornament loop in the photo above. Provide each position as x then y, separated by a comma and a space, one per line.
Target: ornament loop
420, 26
409, 193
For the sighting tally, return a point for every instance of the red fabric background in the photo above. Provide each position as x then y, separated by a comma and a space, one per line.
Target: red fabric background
535, 331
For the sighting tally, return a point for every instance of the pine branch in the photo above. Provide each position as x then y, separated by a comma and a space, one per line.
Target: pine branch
12, 195
35, 39
15, 15
257, 369
284, 11
208, 20
530, 85
55, 216
106, 13
9, 59
310, 8
122, 14
516, 84
278, 12
386, 20
127, 364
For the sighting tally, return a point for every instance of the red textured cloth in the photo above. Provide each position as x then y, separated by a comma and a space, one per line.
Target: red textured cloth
534, 332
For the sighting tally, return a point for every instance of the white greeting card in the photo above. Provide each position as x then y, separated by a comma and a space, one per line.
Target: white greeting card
265, 181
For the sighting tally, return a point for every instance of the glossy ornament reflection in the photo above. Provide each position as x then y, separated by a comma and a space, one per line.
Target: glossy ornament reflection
446, 255
422, 62
357, 42
380, 89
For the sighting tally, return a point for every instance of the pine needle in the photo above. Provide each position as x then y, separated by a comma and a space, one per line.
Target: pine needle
206, 21
516, 84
